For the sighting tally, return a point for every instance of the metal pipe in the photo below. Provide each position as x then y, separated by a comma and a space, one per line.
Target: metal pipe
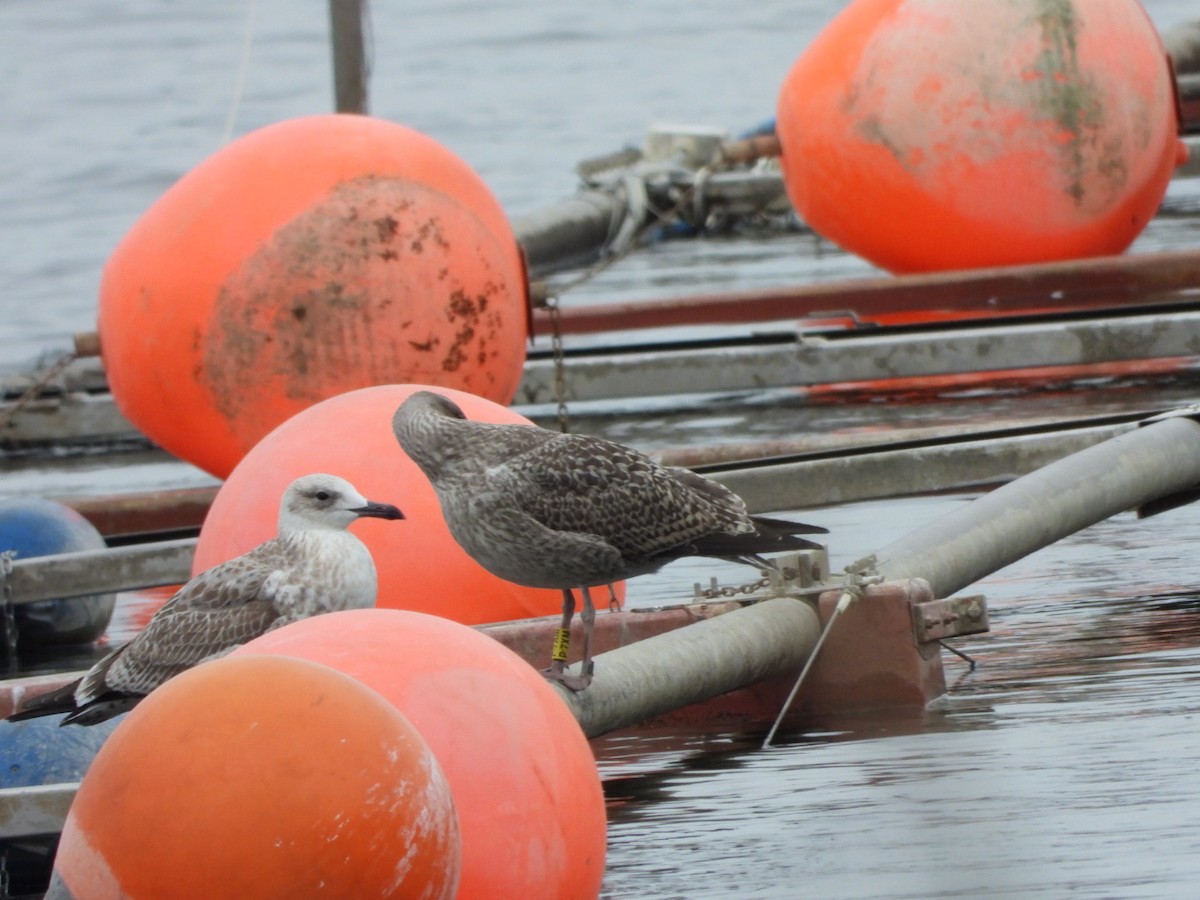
1059, 286
1129, 470
568, 232
350, 67
712, 657
707, 659
36, 809
1182, 42
101, 571
851, 477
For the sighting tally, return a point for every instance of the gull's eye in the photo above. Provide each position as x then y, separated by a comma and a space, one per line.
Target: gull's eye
322, 495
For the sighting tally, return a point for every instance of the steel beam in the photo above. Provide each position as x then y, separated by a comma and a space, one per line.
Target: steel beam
1000, 527
101, 571
786, 360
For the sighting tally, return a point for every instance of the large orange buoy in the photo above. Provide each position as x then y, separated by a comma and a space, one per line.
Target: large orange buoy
529, 800
261, 776
308, 258
938, 134
420, 565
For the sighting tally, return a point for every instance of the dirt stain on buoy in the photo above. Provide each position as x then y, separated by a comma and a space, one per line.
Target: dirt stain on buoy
1067, 95
370, 286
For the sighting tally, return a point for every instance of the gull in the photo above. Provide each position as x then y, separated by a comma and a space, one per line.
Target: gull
312, 566
568, 511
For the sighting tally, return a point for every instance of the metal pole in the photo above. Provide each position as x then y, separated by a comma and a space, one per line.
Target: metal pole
350, 69
776, 636
88, 572
1066, 496
568, 232
703, 660
1063, 285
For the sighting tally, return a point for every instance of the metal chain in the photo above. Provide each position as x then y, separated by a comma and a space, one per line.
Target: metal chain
551, 301
8, 609
752, 587
35, 389
560, 368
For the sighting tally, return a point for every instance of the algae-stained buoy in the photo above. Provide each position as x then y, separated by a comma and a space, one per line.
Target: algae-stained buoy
525, 785
936, 134
306, 259
34, 526
420, 565
264, 777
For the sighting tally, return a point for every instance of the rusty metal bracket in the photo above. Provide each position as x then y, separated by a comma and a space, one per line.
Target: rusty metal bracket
937, 620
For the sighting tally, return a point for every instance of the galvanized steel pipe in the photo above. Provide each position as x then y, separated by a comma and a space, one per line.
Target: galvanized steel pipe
707, 659
87, 572
1059, 499
570, 230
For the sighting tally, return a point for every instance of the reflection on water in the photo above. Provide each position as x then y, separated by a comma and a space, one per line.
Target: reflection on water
1003, 806
1063, 765
132, 611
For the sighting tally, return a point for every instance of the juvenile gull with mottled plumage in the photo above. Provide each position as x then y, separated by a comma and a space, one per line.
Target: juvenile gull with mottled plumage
567, 511
312, 566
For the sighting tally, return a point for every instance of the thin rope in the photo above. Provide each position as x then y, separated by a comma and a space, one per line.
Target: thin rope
843, 602
656, 217
239, 88
35, 390
853, 583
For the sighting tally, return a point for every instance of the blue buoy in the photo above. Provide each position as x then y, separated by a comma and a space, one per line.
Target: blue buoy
39, 752
32, 526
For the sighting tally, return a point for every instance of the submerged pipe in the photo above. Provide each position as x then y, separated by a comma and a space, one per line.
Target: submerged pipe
703, 660
1132, 469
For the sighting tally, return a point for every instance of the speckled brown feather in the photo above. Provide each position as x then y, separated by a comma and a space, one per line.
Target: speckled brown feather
583, 484
552, 510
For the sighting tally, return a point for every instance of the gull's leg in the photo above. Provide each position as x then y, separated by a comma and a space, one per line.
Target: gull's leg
613, 603
562, 646
588, 618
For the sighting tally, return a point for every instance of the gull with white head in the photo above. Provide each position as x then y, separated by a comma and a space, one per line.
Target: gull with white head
312, 566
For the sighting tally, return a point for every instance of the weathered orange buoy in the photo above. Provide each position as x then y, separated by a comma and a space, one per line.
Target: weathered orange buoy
420, 565
306, 259
936, 134
261, 776
529, 801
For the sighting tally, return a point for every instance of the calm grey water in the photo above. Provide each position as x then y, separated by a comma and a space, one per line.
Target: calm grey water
1064, 766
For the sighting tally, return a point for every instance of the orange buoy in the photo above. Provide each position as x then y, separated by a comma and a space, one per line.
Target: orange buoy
261, 776
420, 565
308, 258
529, 801
936, 134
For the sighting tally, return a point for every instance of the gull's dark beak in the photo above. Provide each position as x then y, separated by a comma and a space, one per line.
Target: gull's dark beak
379, 511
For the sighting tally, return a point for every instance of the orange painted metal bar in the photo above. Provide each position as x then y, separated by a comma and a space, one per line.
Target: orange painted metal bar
1100, 282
